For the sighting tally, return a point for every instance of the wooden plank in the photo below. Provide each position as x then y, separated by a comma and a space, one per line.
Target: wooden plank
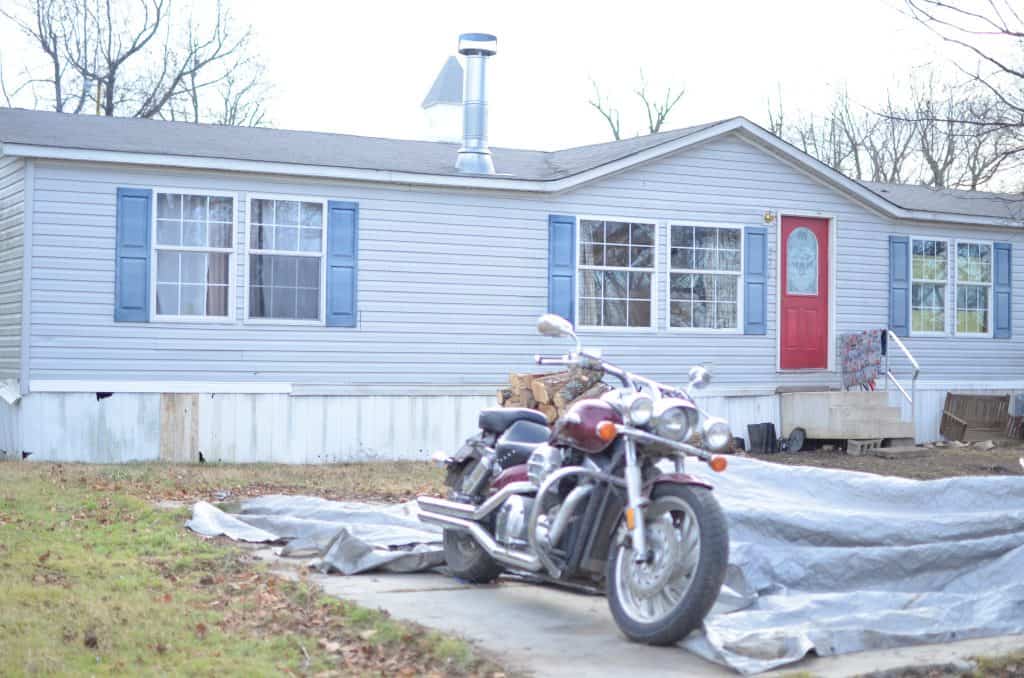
179, 427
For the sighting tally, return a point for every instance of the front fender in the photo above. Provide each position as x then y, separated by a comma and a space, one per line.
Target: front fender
675, 479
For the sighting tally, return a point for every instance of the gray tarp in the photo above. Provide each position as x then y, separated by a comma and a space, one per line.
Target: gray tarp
823, 560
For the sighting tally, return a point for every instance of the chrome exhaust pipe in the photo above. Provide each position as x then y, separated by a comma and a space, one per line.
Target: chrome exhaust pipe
480, 535
465, 511
566, 512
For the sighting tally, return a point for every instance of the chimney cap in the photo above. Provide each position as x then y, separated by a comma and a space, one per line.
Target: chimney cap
478, 43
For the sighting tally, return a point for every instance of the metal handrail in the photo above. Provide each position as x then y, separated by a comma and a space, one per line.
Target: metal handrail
913, 361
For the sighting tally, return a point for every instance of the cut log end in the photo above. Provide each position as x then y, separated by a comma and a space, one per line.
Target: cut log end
552, 393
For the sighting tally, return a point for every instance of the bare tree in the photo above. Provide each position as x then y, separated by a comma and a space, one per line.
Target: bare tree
656, 107
610, 114
992, 31
841, 137
657, 111
890, 146
140, 58
921, 137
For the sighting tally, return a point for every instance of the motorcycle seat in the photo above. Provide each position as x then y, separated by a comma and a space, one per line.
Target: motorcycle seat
516, 445
498, 419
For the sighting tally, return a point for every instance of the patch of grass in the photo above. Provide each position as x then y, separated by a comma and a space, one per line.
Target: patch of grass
94, 581
391, 481
1005, 666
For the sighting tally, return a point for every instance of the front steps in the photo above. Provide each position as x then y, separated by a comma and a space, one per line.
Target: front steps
843, 415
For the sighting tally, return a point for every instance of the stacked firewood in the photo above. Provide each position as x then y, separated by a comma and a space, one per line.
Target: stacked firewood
552, 393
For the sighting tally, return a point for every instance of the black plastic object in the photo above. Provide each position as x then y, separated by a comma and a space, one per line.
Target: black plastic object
796, 440
497, 419
762, 438
520, 440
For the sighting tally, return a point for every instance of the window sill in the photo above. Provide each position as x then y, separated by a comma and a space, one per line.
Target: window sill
704, 330
284, 321
628, 330
183, 319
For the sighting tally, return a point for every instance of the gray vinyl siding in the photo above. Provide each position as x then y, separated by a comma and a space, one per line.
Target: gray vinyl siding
12, 238
451, 281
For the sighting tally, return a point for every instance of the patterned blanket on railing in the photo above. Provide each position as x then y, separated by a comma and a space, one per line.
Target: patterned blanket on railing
860, 358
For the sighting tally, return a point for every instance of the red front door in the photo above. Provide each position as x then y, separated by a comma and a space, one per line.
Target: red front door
803, 326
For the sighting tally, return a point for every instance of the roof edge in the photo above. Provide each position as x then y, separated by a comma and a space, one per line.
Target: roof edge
751, 131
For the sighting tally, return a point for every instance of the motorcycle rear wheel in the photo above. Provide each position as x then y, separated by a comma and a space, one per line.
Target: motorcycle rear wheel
465, 557
661, 602
467, 560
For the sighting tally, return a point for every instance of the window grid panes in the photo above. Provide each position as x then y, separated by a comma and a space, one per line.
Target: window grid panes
973, 287
616, 273
194, 243
929, 269
285, 259
704, 271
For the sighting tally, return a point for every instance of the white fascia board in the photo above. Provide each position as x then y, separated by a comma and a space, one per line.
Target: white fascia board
498, 183
98, 386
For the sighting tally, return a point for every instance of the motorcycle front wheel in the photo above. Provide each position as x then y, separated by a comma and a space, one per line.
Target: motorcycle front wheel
660, 601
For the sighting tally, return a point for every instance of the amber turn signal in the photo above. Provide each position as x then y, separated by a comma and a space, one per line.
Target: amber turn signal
718, 464
630, 518
606, 431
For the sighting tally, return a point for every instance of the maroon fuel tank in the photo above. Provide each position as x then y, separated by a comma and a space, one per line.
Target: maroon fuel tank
578, 427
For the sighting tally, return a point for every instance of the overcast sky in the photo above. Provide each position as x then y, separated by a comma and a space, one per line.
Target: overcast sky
364, 67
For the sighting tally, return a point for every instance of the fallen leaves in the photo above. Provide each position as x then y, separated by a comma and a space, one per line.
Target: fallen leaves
330, 646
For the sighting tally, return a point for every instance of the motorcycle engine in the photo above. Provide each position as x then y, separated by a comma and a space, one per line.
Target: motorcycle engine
510, 524
544, 460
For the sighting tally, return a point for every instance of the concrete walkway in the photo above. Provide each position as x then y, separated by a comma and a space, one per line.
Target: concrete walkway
545, 631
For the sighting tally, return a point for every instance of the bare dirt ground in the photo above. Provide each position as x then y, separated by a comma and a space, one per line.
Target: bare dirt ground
926, 464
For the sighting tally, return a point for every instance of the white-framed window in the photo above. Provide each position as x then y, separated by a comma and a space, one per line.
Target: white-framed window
704, 277
929, 274
285, 259
616, 273
974, 288
193, 247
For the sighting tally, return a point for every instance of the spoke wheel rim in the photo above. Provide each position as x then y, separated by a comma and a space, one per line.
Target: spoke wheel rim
650, 593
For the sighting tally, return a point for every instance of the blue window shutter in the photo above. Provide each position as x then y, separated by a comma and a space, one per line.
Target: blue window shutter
132, 255
342, 263
755, 280
1002, 308
899, 285
562, 265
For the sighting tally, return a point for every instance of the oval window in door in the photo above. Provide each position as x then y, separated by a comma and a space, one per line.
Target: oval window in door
802, 262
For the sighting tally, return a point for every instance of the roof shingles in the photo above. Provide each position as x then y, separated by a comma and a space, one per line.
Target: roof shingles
319, 149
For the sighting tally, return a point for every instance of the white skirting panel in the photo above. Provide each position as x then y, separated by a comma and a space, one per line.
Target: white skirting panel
314, 429
741, 411
78, 427
235, 427
325, 429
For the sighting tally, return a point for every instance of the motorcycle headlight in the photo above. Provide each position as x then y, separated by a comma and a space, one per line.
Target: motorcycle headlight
674, 419
716, 433
639, 409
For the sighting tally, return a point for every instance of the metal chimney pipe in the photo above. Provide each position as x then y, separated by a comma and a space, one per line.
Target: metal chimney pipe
474, 156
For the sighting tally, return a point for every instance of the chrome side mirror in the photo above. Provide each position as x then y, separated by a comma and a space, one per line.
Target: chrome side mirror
551, 325
699, 376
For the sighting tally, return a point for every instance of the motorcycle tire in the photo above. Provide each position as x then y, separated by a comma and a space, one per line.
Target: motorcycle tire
645, 600
467, 560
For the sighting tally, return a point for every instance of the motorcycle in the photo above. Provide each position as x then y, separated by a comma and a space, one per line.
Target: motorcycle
586, 503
